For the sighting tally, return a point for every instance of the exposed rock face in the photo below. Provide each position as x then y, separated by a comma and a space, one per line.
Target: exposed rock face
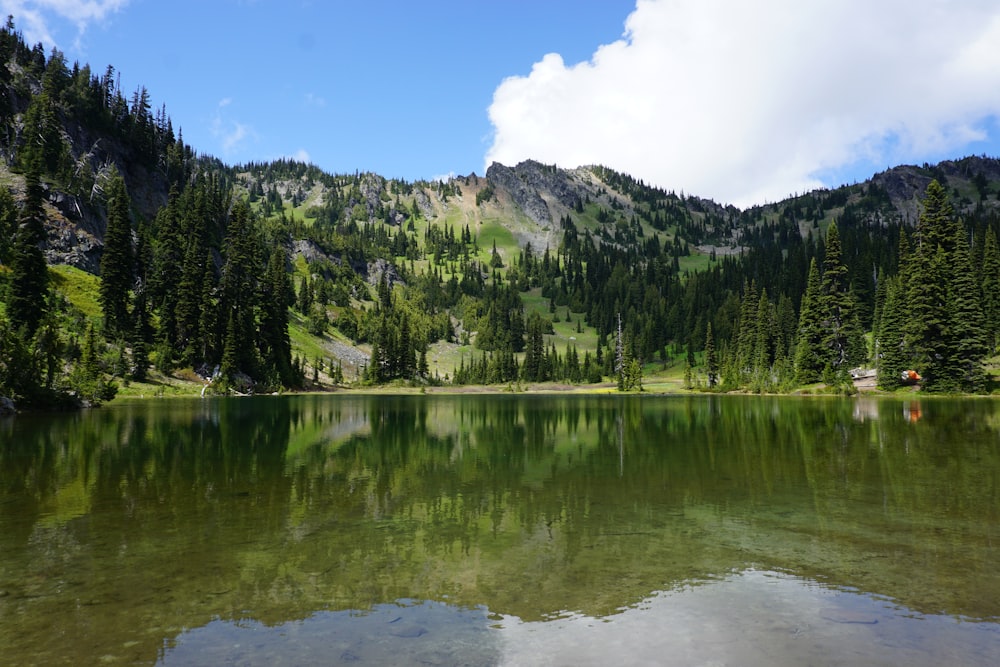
522, 184
371, 190
424, 203
311, 252
372, 272
74, 233
905, 188
906, 185
396, 218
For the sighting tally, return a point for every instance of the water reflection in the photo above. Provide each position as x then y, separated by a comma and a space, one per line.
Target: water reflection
148, 528
752, 618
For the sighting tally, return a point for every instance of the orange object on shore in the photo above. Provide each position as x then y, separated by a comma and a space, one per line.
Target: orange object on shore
910, 376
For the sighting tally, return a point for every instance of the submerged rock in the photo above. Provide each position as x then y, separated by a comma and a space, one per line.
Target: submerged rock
7, 407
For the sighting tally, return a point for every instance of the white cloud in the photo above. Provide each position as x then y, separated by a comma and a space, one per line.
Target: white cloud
748, 102
443, 178
35, 18
231, 134
314, 100
301, 155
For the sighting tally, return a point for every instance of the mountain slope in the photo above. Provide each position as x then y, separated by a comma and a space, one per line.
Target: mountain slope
278, 274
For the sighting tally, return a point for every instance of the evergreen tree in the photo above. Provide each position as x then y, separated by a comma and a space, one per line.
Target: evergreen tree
206, 345
47, 348
842, 334
990, 284
44, 150
28, 271
8, 223
763, 347
892, 355
276, 347
811, 355
230, 365
927, 321
188, 298
18, 373
968, 340
711, 360
747, 337
141, 336
928, 336
117, 272
238, 289
533, 368
936, 225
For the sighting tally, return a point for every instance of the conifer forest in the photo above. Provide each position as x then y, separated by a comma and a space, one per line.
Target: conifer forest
127, 258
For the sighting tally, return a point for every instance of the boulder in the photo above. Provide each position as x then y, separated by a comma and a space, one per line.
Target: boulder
7, 407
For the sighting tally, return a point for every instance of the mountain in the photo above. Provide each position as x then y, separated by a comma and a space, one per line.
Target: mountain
167, 263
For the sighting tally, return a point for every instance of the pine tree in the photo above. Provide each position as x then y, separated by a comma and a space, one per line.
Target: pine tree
931, 272
811, 355
936, 225
533, 367
747, 337
117, 263
965, 321
892, 354
711, 360
763, 346
276, 347
230, 353
18, 372
44, 149
141, 336
188, 298
29, 274
205, 347
8, 223
990, 284
238, 287
842, 334
927, 321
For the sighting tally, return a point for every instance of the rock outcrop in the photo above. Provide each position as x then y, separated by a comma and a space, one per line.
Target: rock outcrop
522, 184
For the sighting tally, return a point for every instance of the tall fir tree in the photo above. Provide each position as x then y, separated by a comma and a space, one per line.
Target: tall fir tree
747, 336
141, 336
966, 324
842, 334
937, 224
711, 360
117, 261
927, 320
8, 223
811, 355
990, 290
892, 356
276, 347
238, 288
928, 335
29, 278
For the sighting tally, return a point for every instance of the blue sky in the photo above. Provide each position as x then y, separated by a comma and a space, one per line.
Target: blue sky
740, 102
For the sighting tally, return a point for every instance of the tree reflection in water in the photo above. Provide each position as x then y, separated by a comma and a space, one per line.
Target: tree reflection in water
123, 527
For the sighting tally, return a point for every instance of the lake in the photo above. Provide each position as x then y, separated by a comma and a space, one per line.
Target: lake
503, 530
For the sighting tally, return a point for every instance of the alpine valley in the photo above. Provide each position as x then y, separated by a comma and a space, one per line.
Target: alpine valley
130, 263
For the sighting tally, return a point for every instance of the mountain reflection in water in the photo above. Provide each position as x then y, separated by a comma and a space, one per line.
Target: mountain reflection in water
753, 618
511, 528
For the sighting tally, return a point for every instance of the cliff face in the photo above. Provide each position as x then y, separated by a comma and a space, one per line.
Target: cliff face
972, 181
522, 184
